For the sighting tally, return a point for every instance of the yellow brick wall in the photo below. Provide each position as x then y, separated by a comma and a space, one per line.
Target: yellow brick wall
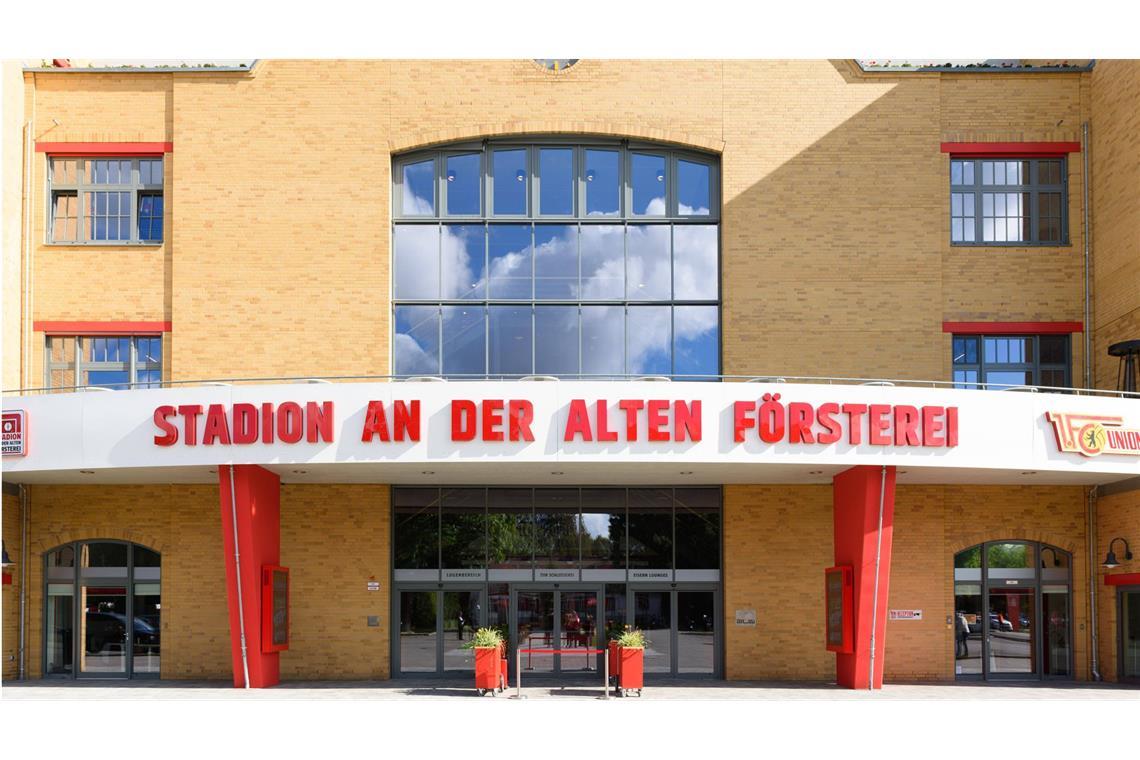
333, 538
778, 540
1116, 516
1116, 211
279, 182
11, 593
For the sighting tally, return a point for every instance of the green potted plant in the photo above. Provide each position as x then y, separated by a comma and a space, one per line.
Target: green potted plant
490, 674
631, 658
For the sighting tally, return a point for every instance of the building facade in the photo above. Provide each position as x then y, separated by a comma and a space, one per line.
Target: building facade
563, 349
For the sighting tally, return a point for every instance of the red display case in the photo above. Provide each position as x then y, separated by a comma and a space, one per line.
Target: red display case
274, 608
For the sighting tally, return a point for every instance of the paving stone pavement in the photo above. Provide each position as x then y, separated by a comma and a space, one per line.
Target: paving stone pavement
434, 689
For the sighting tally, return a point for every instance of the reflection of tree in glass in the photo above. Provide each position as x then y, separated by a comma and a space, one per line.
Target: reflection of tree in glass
508, 539
461, 539
969, 558
556, 536
1008, 555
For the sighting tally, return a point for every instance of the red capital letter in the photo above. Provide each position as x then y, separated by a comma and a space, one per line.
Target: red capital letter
826, 416
686, 421
740, 419
800, 419
932, 426
854, 414
578, 422
170, 433
631, 407
521, 414
405, 420
492, 418
217, 428
375, 422
951, 426
190, 414
462, 420
319, 422
657, 421
906, 426
603, 413
878, 422
290, 422
245, 423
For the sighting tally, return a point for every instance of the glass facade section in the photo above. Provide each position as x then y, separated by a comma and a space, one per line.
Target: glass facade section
1008, 202
1006, 361
108, 201
570, 251
114, 362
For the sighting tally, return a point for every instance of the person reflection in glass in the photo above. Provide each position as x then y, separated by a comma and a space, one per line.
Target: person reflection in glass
963, 632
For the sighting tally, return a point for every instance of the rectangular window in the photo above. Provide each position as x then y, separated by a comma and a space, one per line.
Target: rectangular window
117, 362
1004, 361
996, 201
110, 201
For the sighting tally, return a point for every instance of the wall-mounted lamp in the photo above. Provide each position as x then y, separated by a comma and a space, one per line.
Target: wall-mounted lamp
1056, 562
1110, 561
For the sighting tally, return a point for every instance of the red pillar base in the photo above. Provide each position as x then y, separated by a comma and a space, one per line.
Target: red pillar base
257, 495
856, 496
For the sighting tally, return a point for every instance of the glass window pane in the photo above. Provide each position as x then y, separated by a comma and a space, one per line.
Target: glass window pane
511, 260
510, 340
509, 527
463, 261
114, 379
603, 527
696, 632
146, 558
956, 230
956, 204
64, 171
653, 615
1012, 555
998, 380
648, 340
969, 628
955, 172
59, 629
556, 527
416, 528
556, 340
650, 528
696, 340
417, 261
556, 181
603, 262
461, 611
1049, 172
698, 528
1054, 349
695, 272
603, 341
464, 341
693, 188
968, 173
104, 628
555, 261
415, 349
509, 172
602, 183
419, 637
647, 176
147, 646
463, 175
648, 274
462, 526
419, 188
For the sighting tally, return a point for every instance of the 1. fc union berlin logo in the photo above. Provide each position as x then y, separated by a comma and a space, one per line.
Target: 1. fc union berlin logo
1093, 435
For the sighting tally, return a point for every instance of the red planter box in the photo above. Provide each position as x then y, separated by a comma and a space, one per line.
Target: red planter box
615, 659
631, 672
488, 668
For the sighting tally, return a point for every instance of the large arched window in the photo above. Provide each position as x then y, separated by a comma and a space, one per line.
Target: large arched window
571, 258
102, 609
1013, 611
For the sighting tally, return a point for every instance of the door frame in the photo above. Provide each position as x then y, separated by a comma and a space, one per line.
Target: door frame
439, 589
1120, 592
596, 588
1035, 593
716, 589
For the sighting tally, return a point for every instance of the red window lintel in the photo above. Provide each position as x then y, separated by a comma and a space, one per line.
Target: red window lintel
82, 149
101, 328
1010, 149
1013, 328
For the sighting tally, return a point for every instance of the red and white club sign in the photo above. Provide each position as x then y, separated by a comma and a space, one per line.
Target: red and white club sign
14, 427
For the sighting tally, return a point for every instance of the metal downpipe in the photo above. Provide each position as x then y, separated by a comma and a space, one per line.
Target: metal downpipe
237, 570
878, 562
1093, 627
23, 649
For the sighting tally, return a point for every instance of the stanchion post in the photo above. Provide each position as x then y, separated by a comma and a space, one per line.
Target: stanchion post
606, 671
518, 673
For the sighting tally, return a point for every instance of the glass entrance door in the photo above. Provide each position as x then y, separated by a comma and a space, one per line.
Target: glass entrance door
1011, 633
1129, 616
103, 620
562, 620
435, 627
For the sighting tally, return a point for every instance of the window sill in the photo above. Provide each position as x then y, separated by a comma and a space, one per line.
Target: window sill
102, 244
1066, 245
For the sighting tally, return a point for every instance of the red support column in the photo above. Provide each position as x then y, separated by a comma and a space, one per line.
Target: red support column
856, 494
257, 494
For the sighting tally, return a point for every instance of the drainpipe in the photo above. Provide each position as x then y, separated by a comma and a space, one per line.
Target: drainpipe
1093, 627
26, 375
237, 569
878, 561
1087, 235
23, 674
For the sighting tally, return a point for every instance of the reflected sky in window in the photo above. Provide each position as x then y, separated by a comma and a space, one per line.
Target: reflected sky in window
695, 262
603, 262
415, 350
648, 340
463, 260
417, 261
511, 260
463, 175
692, 188
511, 340
509, 177
696, 342
602, 183
464, 340
647, 263
555, 261
556, 181
419, 188
649, 181
603, 340
556, 340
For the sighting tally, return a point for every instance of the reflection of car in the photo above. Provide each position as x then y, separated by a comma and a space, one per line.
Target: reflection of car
110, 628
999, 623
1024, 620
